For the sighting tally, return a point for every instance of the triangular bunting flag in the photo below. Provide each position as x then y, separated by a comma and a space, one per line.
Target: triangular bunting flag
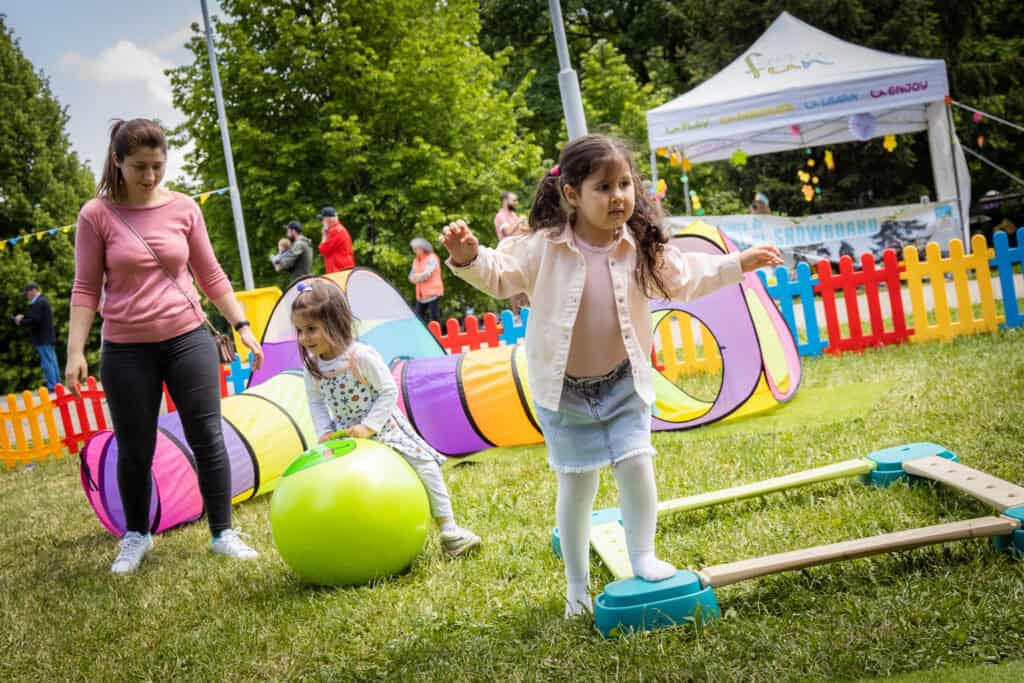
203, 197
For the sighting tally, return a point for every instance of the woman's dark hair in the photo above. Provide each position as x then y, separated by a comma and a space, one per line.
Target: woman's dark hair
580, 158
125, 138
324, 302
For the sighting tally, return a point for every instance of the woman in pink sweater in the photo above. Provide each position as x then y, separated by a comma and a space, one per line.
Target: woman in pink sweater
135, 245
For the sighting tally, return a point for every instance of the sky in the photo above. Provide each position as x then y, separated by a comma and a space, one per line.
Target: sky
105, 60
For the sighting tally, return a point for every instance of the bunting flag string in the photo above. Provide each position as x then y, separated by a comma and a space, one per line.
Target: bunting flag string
202, 197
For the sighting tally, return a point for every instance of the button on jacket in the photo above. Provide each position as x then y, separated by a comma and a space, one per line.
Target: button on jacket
548, 267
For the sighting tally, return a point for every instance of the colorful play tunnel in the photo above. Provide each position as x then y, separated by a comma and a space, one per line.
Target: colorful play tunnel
459, 403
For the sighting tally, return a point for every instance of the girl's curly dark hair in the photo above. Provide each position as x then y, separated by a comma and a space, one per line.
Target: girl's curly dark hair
580, 158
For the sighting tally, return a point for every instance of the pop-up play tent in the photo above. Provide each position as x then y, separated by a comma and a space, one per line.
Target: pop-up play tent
459, 403
799, 87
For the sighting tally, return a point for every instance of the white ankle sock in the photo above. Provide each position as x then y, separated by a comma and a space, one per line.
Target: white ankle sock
573, 506
638, 500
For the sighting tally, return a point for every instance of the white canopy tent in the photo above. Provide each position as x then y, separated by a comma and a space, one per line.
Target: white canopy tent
797, 87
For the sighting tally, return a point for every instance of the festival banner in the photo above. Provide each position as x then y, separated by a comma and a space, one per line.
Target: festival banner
847, 233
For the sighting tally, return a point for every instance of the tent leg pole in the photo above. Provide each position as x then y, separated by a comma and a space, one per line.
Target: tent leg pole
966, 227
686, 193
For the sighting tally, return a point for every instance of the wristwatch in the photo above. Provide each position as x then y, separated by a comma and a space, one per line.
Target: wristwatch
240, 324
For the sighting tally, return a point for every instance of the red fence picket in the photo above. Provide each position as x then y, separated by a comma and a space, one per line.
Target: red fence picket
92, 395
847, 282
455, 340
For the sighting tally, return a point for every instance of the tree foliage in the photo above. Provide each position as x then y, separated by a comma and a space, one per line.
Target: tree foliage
677, 44
388, 111
42, 185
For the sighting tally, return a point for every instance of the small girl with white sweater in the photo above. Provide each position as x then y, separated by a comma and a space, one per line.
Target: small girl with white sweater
350, 387
593, 260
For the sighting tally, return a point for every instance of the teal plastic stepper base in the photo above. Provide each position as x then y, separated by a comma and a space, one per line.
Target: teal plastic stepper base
1014, 543
638, 605
890, 461
597, 517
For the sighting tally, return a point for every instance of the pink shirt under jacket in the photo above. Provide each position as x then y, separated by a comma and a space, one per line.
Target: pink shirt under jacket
141, 303
548, 266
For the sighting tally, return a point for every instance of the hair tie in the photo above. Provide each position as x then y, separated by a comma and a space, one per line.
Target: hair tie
555, 171
303, 287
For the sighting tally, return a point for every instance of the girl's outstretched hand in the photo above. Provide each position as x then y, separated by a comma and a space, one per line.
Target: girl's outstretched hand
760, 256
460, 242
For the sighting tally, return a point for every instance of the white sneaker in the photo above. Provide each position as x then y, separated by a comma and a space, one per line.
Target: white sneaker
230, 543
134, 547
459, 541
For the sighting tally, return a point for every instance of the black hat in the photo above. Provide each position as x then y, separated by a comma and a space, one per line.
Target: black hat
30, 286
294, 225
328, 212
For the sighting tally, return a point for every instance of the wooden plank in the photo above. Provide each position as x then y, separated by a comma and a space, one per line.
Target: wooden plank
609, 541
847, 468
725, 574
993, 491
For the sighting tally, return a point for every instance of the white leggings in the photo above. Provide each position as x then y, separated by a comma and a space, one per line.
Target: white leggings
638, 500
430, 474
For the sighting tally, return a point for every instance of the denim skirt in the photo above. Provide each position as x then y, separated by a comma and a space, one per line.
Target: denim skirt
600, 421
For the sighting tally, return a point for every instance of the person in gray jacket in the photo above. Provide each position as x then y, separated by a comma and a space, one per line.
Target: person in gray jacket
298, 260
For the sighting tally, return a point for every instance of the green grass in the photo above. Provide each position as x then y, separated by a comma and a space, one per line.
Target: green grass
953, 612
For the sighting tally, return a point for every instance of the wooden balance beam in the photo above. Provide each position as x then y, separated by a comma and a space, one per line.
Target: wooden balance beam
733, 572
998, 493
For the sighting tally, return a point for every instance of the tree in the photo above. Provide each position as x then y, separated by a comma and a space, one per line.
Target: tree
42, 186
388, 111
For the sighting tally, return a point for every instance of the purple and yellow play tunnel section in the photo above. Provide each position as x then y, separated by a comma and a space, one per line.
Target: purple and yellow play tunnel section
459, 403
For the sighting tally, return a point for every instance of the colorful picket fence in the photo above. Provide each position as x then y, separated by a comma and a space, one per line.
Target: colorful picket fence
30, 432
881, 286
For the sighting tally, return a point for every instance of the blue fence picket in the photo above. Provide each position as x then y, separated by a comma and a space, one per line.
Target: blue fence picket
784, 291
510, 332
1004, 261
239, 374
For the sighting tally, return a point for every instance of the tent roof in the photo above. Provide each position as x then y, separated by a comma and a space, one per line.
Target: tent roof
796, 74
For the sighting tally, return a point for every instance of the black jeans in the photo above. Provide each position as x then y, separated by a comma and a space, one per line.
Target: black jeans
431, 310
133, 376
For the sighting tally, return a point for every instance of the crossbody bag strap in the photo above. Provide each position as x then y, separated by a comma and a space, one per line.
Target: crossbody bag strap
194, 306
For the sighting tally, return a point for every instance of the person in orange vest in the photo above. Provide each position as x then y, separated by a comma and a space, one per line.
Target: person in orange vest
426, 275
335, 242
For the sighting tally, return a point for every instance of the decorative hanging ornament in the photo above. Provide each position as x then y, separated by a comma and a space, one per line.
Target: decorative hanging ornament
795, 130
738, 158
817, 190
661, 189
808, 192
981, 141
814, 180
673, 159
976, 117
684, 178
862, 126
687, 166
804, 176
661, 152
889, 142
810, 162
830, 163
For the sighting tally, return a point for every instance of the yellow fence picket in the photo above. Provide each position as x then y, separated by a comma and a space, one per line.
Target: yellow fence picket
934, 269
17, 447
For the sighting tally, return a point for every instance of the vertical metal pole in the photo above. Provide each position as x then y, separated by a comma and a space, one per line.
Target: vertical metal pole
568, 83
236, 203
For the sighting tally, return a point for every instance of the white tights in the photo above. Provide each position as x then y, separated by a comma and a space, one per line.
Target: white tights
638, 500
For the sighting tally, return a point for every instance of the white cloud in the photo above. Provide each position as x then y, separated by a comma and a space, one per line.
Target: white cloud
125, 62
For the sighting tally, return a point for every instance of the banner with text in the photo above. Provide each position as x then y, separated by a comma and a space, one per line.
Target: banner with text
848, 233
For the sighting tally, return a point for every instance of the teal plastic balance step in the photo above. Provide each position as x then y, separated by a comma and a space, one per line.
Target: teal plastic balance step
1014, 543
889, 461
597, 518
638, 605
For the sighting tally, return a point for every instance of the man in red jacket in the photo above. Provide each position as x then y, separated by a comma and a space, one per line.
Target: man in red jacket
335, 242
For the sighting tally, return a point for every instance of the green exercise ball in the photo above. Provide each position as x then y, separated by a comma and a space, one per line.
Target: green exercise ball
347, 512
